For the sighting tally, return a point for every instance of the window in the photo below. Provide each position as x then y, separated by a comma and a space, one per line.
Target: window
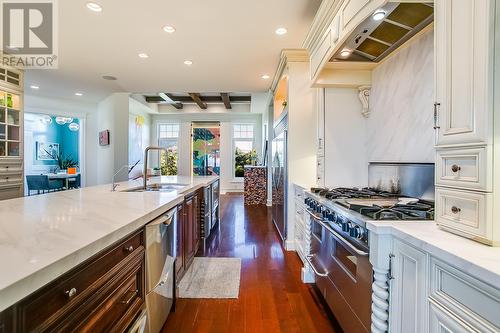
244, 152
168, 137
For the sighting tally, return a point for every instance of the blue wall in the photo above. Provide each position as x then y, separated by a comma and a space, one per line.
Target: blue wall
53, 133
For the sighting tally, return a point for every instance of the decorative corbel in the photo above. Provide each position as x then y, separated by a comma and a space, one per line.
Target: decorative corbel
364, 97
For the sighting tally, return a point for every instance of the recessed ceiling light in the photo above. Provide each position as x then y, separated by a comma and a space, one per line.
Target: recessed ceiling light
265, 77
78, 94
188, 62
378, 15
345, 53
168, 28
35, 87
143, 55
281, 31
95, 7
109, 77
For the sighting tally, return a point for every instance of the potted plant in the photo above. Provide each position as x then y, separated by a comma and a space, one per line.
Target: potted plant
63, 163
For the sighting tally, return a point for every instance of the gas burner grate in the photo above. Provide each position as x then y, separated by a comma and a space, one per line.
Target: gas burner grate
417, 211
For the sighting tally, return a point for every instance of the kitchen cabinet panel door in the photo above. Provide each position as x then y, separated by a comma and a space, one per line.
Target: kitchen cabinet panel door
179, 261
189, 246
464, 71
408, 289
443, 322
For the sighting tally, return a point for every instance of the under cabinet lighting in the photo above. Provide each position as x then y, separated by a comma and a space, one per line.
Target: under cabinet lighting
378, 15
95, 7
345, 53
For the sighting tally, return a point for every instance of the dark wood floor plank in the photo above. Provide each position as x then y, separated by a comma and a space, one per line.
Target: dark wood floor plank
272, 296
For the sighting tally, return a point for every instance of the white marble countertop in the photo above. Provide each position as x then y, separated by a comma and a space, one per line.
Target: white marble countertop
478, 260
44, 236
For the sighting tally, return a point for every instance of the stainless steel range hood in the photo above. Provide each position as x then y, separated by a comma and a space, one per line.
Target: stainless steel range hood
373, 39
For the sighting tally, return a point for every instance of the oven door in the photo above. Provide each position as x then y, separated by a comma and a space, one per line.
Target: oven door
350, 271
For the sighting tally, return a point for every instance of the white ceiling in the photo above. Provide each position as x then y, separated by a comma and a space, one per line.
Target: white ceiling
231, 43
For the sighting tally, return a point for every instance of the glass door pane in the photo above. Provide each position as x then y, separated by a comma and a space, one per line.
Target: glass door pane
3, 133
206, 149
2, 148
13, 148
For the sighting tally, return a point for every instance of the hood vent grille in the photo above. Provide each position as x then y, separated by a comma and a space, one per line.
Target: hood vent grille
373, 40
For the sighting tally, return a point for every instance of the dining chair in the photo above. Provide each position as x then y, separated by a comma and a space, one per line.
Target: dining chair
42, 183
75, 182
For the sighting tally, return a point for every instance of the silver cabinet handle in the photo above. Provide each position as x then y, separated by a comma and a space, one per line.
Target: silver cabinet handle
455, 210
455, 168
71, 293
436, 115
389, 274
308, 259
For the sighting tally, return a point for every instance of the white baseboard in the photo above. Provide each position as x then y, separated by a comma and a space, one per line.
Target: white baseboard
289, 245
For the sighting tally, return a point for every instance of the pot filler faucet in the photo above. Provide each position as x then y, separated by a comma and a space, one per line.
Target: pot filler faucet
146, 151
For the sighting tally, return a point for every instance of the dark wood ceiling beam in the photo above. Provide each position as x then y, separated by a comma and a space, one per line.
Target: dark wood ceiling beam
206, 99
196, 98
226, 100
177, 105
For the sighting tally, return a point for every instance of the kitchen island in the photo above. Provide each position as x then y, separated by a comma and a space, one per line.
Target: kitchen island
43, 237
444, 280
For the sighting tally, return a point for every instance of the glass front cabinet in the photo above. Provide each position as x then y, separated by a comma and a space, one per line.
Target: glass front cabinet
11, 134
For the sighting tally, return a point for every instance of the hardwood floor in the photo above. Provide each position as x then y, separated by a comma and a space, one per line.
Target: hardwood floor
272, 296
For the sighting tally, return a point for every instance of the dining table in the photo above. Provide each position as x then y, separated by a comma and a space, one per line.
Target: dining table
64, 176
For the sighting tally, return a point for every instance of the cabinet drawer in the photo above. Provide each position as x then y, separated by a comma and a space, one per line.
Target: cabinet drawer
475, 302
123, 302
464, 212
464, 168
14, 165
10, 178
10, 191
45, 307
440, 321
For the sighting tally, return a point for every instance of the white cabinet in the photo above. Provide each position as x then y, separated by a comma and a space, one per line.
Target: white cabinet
302, 234
442, 321
465, 77
464, 65
320, 154
408, 300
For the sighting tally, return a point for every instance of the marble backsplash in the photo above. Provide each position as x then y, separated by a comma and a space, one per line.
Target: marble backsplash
400, 125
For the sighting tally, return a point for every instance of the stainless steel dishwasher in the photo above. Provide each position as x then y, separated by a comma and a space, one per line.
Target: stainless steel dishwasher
160, 269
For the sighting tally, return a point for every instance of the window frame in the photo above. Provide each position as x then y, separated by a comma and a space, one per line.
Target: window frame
170, 140
245, 139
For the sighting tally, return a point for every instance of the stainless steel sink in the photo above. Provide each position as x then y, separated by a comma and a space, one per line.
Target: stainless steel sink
159, 188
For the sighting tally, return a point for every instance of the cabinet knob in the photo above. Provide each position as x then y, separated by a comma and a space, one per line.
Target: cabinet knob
455, 168
129, 249
455, 210
71, 293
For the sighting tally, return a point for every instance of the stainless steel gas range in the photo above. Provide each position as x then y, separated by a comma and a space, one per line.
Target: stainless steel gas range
339, 249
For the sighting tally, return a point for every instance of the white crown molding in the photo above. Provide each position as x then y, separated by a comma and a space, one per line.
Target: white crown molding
288, 55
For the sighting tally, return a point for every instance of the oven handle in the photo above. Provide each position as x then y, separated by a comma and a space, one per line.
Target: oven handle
308, 259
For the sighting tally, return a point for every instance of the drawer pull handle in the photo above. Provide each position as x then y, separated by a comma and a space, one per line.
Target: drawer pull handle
129, 249
129, 299
71, 293
455, 168
455, 210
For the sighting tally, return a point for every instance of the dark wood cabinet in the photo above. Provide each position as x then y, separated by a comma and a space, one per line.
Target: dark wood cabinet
179, 260
188, 233
103, 294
